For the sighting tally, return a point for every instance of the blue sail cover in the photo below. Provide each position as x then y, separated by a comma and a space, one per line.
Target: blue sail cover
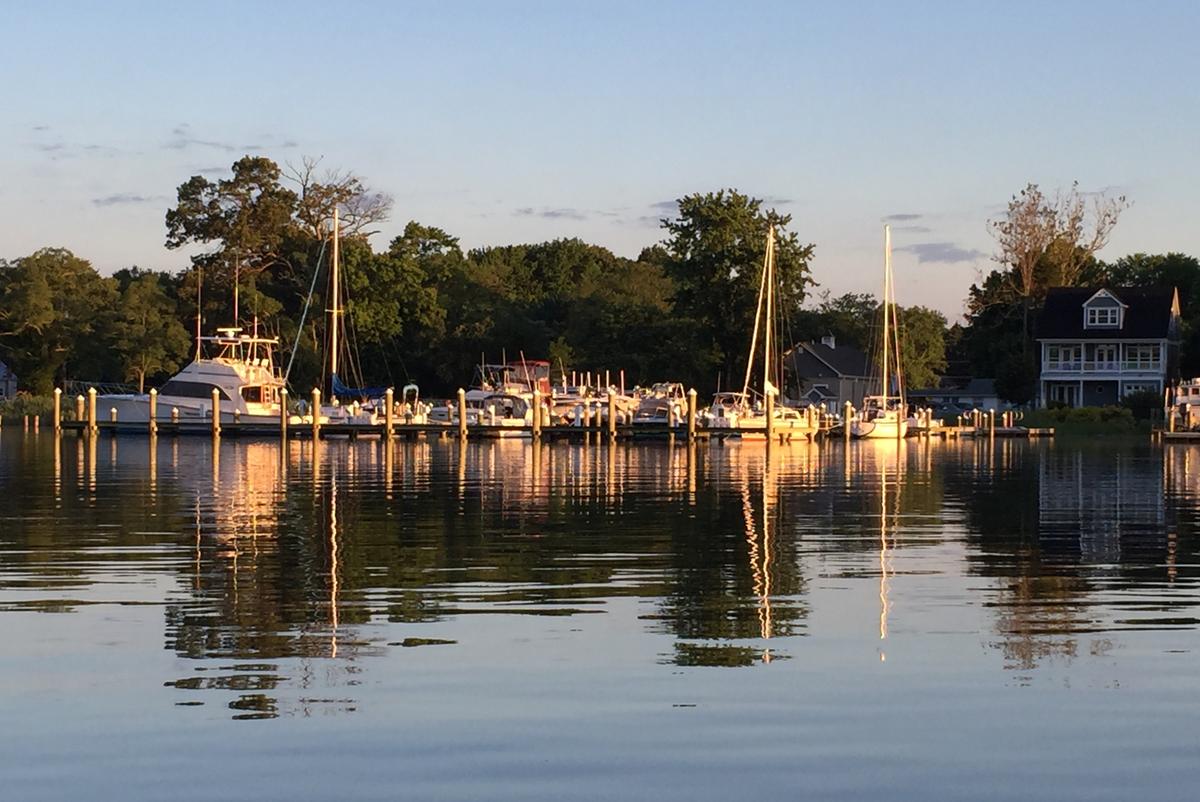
355, 393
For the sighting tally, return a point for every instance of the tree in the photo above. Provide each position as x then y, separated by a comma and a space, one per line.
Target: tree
53, 308
715, 248
147, 336
245, 218
358, 207
851, 318
923, 345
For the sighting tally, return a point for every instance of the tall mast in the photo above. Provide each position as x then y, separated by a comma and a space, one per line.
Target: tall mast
237, 275
887, 285
333, 311
758, 310
770, 280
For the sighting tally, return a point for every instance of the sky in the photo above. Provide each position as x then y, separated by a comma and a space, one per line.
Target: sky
507, 122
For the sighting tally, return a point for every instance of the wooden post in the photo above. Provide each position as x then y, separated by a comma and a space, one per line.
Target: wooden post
1171, 419
93, 423
847, 418
991, 423
112, 415
25, 422
462, 414
316, 415
57, 409
389, 413
537, 415
769, 408
175, 415
612, 413
216, 412
152, 424
79, 413
691, 414
283, 415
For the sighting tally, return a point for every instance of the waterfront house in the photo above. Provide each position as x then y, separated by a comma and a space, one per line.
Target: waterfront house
8, 382
1100, 344
828, 374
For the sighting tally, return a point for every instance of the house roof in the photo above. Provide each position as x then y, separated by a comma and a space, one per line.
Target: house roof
1147, 313
818, 361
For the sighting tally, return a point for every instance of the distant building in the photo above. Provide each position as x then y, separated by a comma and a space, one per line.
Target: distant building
1100, 344
8, 382
961, 392
828, 374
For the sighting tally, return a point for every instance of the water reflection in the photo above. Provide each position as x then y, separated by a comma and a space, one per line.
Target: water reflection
286, 573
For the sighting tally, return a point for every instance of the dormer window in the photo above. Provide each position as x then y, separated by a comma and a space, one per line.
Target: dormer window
1099, 317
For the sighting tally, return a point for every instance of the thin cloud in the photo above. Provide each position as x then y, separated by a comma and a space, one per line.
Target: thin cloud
914, 229
902, 217
39, 128
126, 198
775, 200
551, 214
182, 139
942, 253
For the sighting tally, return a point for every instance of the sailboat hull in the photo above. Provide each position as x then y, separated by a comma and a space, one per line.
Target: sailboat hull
880, 428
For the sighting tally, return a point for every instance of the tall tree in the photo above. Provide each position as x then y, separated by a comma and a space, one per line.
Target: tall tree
147, 335
923, 345
52, 311
715, 247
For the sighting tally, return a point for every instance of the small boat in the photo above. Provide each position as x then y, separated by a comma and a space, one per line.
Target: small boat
885, 415
663, 404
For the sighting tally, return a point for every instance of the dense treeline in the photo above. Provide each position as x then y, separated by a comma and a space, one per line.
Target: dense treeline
423, 309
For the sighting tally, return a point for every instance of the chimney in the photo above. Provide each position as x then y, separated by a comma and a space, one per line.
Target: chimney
829, 340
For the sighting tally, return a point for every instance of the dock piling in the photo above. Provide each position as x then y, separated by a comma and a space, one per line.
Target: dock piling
216, 413
57, 410
79, 413
316, 415
691, 414
462, 414
152, 423
93, 423
283, 415
612, 413
537, 415
847, 419
389, 413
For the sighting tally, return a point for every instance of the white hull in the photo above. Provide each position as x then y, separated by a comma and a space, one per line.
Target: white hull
132, 409
880, 428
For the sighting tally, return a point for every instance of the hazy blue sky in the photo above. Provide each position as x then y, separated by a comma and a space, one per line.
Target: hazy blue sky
508, 122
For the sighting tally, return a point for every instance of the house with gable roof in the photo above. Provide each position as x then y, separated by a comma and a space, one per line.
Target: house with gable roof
827, 374
1100, 344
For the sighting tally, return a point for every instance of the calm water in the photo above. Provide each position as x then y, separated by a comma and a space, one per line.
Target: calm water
923, 621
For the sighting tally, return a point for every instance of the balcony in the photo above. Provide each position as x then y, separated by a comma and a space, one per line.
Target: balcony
1079, 367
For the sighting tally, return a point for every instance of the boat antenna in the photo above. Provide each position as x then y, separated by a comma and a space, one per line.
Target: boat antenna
199, 306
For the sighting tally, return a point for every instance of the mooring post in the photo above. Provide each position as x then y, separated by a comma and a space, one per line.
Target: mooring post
152, 424
79, 414
537, 415
847, 419
612, 413
462, 414
216, 412
283, 415
93, 423
991, 423
389, 413
112, 415
25, 422
316, 415
57, 410
691, 413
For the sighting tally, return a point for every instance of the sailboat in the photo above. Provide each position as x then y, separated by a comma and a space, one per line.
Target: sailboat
885, 415
739, 411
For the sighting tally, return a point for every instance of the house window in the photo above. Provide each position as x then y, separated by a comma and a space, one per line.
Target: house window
1140, 387
1063, 357
1102, 316
1141, 357
1106, 357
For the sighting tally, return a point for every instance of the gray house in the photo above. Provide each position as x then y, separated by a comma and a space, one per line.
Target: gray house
1098, 345
828, 374
8, 382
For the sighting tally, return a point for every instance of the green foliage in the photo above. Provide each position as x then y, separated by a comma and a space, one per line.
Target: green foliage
923, 345
853, 319
53, 306
1090, 421
16, 408
148, 338
714, 255
1144, 404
